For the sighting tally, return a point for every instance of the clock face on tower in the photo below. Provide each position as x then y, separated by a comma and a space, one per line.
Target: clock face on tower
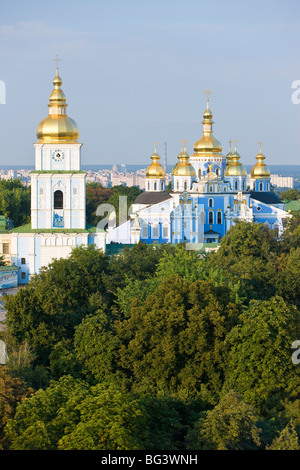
58, 155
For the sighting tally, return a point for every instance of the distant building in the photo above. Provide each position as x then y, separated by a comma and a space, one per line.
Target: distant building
282, 181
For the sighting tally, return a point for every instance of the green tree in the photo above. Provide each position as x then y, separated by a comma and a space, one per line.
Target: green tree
96, 347
15, 201
136, 262
109, 420
12, 391
231, 425
259, 363
69, 415
130, 192
287, 439
173, 341
291, 234
247, 257
287, 280
55, 301
290, 195
42, 420
96, 194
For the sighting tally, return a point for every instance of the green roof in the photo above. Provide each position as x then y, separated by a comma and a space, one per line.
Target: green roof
293, 206
27, 229
8, 268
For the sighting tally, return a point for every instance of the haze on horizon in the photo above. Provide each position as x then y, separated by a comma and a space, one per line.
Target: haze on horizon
135, 72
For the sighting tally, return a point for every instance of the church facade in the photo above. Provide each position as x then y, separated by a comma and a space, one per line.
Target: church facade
210, 193
58, 188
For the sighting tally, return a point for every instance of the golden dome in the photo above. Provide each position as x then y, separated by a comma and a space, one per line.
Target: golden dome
155, 169
235, 168
57, 126
207, 143
183, 167
260, 169
229, 156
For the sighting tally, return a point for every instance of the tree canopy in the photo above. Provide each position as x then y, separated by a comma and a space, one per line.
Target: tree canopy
158, 347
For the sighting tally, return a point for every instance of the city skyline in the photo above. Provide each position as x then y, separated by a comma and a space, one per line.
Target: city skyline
135, 73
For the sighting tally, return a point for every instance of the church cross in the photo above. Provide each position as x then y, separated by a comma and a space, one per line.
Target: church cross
235, 143
57, 60
207, 93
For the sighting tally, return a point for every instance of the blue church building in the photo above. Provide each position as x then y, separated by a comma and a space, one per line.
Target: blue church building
210, 193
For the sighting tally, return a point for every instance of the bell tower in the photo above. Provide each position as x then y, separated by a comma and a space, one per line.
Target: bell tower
57, 183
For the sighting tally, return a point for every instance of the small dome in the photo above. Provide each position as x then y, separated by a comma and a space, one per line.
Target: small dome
183, 167
155, 169
260, 169
235, 168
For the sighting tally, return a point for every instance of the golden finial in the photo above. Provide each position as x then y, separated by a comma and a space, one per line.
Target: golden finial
235, 144
155, 144
184, 141
260, 144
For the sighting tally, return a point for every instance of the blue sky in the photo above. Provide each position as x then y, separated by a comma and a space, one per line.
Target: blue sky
135, 72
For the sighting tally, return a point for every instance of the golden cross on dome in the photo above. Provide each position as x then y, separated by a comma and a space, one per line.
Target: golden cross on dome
155, 144
260, 144
207, 93
57, 60
230, 142
184, 142
235, 142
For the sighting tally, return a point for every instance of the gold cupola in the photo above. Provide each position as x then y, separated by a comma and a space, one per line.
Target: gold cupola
155, 170
260, 169
229, 155
207, 143
183, 167
235, 168
57, 126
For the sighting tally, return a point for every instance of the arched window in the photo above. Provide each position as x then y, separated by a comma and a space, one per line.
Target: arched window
236, 185
177, 185
155, 185
199, 173
58, 200
185, 185
145, 231
261, 186
210, 217
155, 230
165, 230
162, 185
217, 172
219, 217
210, 203
148, 186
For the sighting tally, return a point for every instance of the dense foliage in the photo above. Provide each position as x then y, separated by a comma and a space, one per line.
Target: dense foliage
15, 202
97, 195
158, 348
